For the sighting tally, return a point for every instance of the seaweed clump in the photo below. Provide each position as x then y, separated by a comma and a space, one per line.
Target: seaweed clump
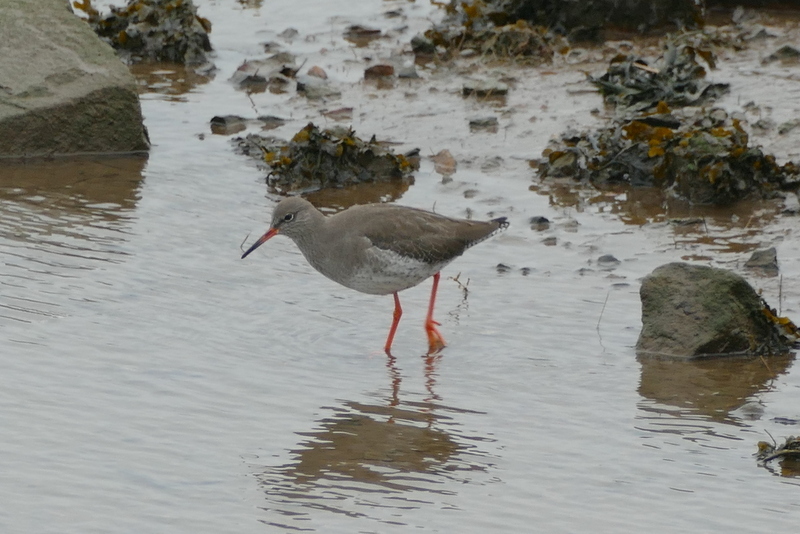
700, 154
788, 451
153, 30
474, 27
703, 157
316, 159
676, 77
533, 30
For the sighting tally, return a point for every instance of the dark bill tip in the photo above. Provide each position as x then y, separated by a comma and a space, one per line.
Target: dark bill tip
261, 240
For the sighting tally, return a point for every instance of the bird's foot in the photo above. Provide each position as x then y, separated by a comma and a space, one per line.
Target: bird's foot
435, 340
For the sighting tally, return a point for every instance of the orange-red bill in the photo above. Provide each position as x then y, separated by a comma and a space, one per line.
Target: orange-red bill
270, 233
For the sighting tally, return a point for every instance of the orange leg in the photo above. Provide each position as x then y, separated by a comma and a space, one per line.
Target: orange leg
435, 339
398, 312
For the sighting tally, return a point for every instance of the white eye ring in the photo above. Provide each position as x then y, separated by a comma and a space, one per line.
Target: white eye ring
288, 217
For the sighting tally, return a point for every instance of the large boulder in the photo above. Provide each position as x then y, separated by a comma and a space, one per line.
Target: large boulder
63, 90
693, 311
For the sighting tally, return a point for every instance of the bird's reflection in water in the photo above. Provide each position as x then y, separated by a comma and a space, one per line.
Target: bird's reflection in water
367, 459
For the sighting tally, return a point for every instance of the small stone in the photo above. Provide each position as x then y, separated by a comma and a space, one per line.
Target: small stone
764, 262
361, 35
571, 225
785, 54
488, 124
539, 223
339, 114
485, 88
378, 71
444, 163
270, 122
788, 126
318, 72
288, 34
227, 124
688, 221
492, 163
607, 262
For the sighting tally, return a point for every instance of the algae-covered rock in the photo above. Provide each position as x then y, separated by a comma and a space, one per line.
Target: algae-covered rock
153, 30
476, 20
316, 159
694, 311
701, 155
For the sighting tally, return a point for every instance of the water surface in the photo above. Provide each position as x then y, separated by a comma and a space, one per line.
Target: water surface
154, 382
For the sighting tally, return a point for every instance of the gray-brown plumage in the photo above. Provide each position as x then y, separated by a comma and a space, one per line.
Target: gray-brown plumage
378, 248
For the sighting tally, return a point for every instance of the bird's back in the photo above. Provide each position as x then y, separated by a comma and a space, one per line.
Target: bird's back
417, 234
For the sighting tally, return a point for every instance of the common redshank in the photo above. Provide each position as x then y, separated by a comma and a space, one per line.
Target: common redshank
379, 248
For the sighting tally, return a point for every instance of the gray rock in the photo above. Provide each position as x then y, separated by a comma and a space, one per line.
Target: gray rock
62, 90
316, 89
607, 262
785, 54
763, 262
539, 223
488, 124
788, 126
227, 124
692, 311
484, 88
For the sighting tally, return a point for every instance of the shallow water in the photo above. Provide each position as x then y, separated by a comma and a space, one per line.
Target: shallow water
153, 381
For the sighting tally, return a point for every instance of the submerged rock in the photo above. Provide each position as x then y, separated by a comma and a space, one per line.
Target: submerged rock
486, 124
608, 262
227, 124
539, 223
786, 54
274, 73
693, 311
484, 88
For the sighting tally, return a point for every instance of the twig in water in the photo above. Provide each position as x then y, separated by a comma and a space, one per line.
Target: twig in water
597, 328
774, 443
601, 312
461, 286
241, 247
766, 365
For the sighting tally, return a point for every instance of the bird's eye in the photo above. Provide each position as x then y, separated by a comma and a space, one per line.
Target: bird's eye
288, 217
